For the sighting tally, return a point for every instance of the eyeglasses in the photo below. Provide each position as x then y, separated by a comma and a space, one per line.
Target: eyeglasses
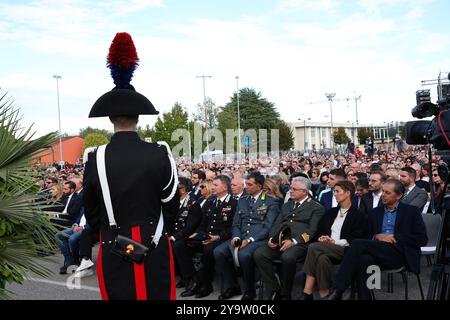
296, 189
202, 187
435, 175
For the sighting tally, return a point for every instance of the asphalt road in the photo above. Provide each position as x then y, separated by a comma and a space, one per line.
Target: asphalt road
57, 287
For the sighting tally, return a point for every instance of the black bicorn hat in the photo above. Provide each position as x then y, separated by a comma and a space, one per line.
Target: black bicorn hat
123, 99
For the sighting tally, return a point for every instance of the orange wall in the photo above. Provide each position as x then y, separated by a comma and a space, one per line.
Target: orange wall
71, 148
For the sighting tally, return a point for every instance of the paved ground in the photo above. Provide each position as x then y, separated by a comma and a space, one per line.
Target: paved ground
56, 287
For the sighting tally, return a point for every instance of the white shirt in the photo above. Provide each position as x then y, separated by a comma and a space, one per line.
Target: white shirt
223, 198
183, 201
334, 202
410, 189
257, 196
376, 199
238, 196
300, 202
83, 221
337, 227
67, 204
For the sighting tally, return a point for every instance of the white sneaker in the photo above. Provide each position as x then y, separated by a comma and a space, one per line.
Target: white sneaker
85, 264
84, 273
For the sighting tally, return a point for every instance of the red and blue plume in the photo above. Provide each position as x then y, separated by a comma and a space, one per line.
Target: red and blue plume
122, 60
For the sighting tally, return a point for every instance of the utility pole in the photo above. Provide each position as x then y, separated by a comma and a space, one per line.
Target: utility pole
356, 107
330, 97
206, 114
239, 119
57, 77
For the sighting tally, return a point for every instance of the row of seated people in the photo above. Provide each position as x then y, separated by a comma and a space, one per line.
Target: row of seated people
253, 232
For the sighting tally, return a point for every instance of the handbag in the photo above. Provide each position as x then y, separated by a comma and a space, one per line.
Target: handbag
124, 247
129, 250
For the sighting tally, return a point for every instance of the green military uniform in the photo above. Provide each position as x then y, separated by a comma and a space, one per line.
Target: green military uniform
303, 220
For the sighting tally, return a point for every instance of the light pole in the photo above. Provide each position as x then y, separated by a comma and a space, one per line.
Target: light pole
57, 77
304, 130
356, 107
239, 119
206, 115
189, 134
330, 97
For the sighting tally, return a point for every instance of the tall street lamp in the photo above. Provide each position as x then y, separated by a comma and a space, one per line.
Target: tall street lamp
304, 131
330, 97
189, 134
57, 77
239, 119
206, 114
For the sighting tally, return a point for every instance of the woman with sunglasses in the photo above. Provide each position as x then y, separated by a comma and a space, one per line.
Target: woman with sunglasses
205, 190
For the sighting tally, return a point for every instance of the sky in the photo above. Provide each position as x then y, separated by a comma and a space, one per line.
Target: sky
292, 51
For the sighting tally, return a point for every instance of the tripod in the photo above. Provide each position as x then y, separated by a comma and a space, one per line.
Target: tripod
440, 276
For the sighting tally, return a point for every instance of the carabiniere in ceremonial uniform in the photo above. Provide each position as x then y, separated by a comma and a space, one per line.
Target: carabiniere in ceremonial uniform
141, 196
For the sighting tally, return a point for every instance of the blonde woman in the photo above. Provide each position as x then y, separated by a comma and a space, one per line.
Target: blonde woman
272, 189
57, 192
205, 189
54, 201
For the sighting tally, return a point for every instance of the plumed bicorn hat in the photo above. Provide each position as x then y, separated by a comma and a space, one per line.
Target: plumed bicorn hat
123, 99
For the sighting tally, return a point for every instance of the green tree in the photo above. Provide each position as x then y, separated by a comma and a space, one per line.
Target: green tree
88, 130
286, 136
144, 132
255, 112
176, 118
94, 140
25, 230
340, 136
363, 134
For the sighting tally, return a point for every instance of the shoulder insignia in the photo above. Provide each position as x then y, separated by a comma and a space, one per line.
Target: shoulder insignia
305, 237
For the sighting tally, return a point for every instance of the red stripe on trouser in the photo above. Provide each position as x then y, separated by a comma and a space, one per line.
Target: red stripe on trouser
101, 280
173, 291
139, 271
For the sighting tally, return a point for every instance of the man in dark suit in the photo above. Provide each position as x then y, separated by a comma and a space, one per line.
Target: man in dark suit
372, 199
198, 176
414, 195
254, 216
397, 232
142, 182
71, 205
299, 218
218, 213
326, 197
238, 188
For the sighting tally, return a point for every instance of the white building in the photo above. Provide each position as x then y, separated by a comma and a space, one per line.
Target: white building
317, 135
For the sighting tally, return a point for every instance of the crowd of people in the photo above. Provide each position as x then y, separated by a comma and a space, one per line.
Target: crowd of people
245, 216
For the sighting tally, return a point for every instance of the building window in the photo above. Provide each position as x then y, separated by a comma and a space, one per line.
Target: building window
313, 133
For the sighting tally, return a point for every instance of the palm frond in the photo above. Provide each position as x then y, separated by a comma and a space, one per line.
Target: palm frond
25, 230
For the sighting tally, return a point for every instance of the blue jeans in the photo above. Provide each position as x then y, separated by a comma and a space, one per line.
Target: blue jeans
70, 245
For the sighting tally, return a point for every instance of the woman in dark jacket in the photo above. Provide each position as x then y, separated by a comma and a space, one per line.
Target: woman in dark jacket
337, 229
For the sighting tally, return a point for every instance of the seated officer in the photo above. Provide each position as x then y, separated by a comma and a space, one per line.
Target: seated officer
215, 228
186, 222
254, 216
301, 216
